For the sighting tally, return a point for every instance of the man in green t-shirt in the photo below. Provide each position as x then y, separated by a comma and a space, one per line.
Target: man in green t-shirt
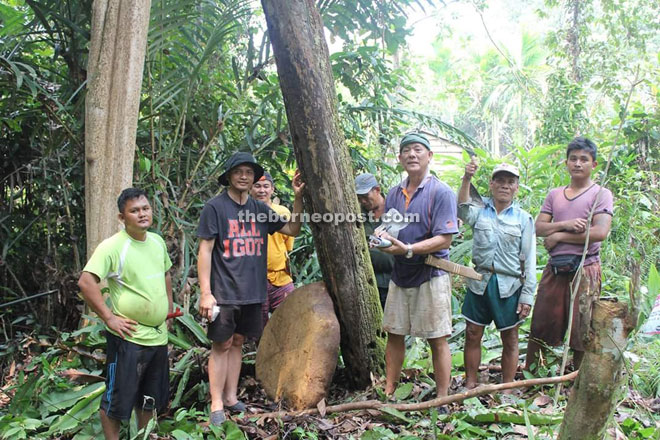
135, 263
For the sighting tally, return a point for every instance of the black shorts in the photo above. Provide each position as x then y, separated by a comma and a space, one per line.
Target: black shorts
137, 376
242, 319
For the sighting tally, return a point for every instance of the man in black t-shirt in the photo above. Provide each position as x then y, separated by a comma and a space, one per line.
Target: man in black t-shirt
231, 267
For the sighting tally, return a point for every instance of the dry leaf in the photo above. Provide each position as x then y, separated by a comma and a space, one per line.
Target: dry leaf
321, 407
347, 426
324, 424
548, 410
542, 400
80, 377
261, 433
449, 428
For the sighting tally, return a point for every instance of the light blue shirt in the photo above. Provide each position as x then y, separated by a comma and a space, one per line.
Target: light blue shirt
500, 242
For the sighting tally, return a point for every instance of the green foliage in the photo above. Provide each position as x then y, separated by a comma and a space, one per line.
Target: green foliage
494, 95
40, 394
403, 391
370, 20
564, 112
41, 113
633, 429
644, 361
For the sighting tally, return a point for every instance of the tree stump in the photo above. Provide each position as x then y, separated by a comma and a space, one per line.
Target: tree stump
593, 396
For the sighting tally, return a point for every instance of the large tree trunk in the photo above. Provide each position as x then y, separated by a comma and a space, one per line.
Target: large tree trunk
116, 61
594, 393
114, 72
305, 76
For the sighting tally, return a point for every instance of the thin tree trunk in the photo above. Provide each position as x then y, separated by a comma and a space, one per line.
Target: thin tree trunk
573, 37
116, 61
306, 81
594, 393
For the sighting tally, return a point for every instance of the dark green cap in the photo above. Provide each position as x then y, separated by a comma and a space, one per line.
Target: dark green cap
414, 138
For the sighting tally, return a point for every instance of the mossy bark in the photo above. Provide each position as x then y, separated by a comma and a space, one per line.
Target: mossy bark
594, 394
305, 76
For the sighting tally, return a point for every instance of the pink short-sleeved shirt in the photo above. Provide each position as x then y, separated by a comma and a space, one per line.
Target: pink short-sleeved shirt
562, 208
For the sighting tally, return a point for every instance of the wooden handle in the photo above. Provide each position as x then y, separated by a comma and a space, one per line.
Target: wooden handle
452, 267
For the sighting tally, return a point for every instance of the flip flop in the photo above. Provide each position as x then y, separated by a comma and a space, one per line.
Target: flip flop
217, 418
237, 407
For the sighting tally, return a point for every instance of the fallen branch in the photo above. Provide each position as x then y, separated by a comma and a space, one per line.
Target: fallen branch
440, 401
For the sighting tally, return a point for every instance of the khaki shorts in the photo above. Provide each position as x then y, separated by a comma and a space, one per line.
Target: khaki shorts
424, 311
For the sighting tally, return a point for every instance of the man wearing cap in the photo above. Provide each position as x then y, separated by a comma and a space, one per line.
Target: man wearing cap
504, 252
231, 268
419, 296
279, 282
373, 203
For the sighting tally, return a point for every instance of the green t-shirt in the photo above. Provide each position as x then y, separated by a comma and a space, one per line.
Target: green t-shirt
135, 271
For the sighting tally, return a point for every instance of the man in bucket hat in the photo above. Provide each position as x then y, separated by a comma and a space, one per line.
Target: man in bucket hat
231, 268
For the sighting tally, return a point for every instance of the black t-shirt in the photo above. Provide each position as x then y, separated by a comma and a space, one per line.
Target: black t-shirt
238, 264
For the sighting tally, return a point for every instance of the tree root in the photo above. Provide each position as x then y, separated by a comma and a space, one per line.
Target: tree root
440, 401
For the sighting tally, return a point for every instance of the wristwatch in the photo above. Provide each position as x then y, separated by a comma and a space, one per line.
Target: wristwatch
409, 253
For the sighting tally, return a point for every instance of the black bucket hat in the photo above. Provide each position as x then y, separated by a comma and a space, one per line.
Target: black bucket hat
237, 159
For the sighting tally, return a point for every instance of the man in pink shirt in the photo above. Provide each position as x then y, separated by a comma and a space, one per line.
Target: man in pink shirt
563, 222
